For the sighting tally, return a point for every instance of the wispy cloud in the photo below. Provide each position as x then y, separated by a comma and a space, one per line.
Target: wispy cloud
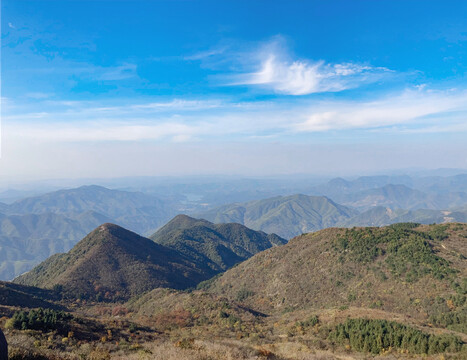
304, 77
411, 108
276, 71
206, 54
38, 95
121, 72
180, 120
179, 104
107, 132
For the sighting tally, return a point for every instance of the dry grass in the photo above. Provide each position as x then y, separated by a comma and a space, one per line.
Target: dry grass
225, 350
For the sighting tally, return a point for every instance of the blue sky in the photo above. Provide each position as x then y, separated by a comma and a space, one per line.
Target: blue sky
118, 88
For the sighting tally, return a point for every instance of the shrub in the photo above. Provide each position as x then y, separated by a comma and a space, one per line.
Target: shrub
174, 319
311, 321
243, 294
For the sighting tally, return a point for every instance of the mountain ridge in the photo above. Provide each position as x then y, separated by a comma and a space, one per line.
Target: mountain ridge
286, 216
112, 262
220, 245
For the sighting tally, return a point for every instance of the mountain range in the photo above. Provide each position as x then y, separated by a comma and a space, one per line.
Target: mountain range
286, 216
380, 215
114, 263
401, 197
33, 228
289, 216
134, 210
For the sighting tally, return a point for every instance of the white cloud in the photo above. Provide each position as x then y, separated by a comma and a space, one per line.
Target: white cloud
277, 72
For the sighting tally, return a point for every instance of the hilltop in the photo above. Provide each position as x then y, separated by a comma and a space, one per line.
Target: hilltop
112, 262
402, 268
220, 246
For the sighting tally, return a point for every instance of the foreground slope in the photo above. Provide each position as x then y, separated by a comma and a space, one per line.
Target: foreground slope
286, 216
220, 246
113, 262
402, 268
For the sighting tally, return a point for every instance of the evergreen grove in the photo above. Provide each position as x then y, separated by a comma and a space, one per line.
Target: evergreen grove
40, 319
376, 336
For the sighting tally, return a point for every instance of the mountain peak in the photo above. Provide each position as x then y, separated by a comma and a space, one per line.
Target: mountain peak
108, 232
118, 262
182, 218
108, 227
180, 222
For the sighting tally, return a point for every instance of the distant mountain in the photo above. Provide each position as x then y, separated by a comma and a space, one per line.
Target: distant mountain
11, 195
403, 192
114, 263
220, 246
396, 192
402, 268
26, 240
286, 216
392, 196
443, 185
133, 210
3, 207
339, 186
380, 215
